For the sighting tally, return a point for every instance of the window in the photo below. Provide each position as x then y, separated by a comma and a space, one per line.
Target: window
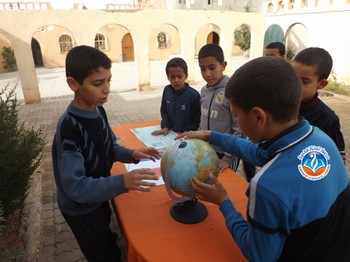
100, 42
65, 43
163, 40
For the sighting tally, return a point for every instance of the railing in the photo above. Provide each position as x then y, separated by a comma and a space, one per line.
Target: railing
25, 5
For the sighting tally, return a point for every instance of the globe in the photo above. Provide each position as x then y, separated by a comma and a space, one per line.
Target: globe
185, 159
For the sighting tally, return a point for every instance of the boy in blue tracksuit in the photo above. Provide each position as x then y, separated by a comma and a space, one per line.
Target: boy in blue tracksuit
298, 202
180, 107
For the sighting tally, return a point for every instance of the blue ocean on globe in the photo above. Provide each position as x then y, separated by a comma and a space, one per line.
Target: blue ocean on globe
187, 158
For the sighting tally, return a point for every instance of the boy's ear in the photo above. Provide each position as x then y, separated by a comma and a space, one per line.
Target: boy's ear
224, 64
260, 116
322, 84
74, 86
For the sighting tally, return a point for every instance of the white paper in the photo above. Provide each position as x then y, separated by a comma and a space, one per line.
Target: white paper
146, 163
158, 142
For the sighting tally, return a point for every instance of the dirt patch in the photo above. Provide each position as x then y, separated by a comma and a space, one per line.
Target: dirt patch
12, 240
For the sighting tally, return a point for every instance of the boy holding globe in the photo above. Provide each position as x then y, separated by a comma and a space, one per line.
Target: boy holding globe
298, 208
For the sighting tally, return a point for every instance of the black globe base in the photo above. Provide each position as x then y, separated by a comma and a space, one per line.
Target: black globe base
189, 211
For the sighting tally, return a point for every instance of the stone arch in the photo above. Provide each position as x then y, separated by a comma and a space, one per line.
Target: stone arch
171, 46
296, 39
159, 56
274, 33
123, 64
205, 33
115, 32
37, 55
48, 37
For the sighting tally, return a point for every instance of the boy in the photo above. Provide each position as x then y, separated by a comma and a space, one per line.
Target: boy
180, 108
83, 151
215, 109
313, 65
276, 49
298, 202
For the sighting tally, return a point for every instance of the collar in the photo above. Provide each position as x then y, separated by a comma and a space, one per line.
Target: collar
310, 103
288, 138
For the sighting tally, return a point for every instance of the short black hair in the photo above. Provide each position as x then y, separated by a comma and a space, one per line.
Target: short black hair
278, 45
269, 83
176, 62
318, 58
213, 50
82, 60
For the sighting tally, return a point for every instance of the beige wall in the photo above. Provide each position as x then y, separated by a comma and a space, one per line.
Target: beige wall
82, 26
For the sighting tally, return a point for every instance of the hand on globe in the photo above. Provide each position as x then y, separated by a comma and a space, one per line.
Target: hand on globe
214, 193
202, 134
133, 180
148, 152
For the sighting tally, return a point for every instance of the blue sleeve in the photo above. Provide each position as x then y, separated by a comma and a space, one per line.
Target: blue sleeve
166, 122
85, 190
120, 153
195, 111
239, 147
255, 244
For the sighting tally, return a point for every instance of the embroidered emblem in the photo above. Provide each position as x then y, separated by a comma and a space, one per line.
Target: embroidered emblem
314, 163
183, 107
220, 97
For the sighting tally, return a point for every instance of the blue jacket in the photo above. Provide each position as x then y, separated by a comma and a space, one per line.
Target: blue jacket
298, 207
180, 110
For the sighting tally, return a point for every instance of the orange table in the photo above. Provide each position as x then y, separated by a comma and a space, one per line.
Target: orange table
153, 235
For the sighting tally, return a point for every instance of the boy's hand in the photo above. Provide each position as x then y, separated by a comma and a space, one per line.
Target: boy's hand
163, 132
215, 193
148, 152
202, 134
134, 180
223, 165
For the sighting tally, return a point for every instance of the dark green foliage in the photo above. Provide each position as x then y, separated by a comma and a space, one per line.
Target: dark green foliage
242, 37
20, 154
9, 59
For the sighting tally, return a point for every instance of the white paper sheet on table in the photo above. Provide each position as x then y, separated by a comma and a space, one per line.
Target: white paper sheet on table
158, 142
146, 163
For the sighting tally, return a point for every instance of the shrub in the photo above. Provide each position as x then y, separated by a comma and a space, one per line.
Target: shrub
8, 56
20, 154
336, 87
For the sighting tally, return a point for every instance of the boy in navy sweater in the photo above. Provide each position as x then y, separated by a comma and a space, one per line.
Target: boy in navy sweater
83, 151
180, 108
313, 65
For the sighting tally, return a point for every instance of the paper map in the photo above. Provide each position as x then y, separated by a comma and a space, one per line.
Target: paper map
158, 142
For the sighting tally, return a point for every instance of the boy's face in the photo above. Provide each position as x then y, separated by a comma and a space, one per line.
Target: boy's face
247, 123
275, 52
177, 77
212, 70
307, 74
93, 91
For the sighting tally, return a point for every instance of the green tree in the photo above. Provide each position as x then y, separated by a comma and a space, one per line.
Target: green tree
8, 56
20, 154
242, 37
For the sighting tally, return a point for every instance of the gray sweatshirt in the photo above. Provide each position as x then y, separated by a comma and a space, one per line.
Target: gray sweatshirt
216, 115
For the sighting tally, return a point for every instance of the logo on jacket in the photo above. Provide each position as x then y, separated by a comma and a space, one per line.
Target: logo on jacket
183, 107
314, 163
220, 97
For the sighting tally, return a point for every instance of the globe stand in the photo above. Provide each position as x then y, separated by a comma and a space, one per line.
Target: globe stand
189, 212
